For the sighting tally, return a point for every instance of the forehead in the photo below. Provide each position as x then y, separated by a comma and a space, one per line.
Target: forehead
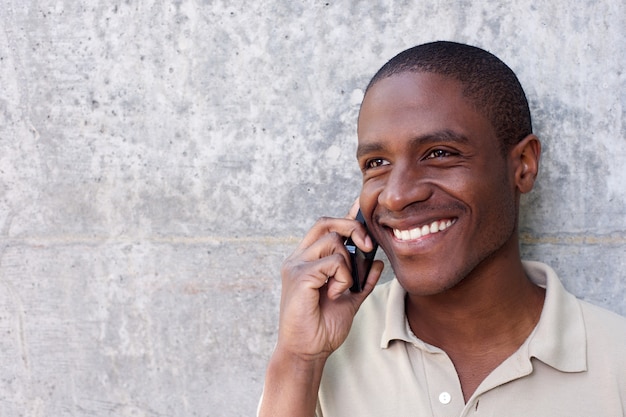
413, 104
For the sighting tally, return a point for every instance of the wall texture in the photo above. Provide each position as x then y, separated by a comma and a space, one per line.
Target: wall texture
159, 159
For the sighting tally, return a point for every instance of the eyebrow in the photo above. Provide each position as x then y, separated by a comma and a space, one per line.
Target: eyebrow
441, 136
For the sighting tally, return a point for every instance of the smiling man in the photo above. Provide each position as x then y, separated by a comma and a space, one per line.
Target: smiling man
466, 327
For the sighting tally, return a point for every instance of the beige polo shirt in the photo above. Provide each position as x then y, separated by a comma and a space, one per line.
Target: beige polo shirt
573, 364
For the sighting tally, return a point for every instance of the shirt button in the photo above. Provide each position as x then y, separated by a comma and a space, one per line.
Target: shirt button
445, 398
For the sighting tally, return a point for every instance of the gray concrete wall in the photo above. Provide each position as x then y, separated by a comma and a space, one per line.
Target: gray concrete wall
158, 160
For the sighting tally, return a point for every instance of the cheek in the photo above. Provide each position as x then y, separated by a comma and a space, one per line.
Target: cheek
497, 205
369, 196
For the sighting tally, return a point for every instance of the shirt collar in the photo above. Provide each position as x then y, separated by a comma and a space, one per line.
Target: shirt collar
396, 325
559, 340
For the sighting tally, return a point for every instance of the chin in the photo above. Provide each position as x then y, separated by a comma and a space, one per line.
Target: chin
426, 281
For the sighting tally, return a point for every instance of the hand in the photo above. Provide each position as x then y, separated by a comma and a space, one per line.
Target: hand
316, 312
317, 307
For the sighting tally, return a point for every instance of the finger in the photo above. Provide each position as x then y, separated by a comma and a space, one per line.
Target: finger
339, 284
373, 277
354, 209
335, 290
329, 244
332, 270
343, 227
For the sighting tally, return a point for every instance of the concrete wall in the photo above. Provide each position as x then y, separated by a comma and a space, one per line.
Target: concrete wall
158, 160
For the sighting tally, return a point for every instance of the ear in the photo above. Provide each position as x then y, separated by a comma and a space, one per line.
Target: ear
525, 160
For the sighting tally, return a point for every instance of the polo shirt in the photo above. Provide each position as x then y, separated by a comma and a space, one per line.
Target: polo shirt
572, 364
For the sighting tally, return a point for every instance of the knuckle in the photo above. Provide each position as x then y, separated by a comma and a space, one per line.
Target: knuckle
288, 268
295, 269
335, 237
338, 258
323, 221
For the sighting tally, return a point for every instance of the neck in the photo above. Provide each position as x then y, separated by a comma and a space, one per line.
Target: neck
485, 306
481, 321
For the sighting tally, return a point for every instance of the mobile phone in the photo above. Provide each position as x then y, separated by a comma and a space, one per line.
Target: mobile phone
361, 261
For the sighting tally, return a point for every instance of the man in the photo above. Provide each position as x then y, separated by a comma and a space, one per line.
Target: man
466, 328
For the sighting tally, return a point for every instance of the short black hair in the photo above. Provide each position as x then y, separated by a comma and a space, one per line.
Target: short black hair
489, 84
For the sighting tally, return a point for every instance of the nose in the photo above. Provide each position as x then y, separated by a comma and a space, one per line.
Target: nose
406, 184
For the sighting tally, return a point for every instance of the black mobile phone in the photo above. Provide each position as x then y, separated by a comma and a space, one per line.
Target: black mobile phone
361, 261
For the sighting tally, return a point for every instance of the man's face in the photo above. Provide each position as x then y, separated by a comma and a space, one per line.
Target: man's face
438, 193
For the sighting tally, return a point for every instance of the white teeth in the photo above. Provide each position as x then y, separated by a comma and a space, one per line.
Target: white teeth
434, 227
444, 224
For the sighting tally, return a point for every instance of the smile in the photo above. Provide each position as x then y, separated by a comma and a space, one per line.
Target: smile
418, 232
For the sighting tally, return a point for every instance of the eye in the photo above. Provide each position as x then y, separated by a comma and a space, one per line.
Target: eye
438, 153
375, 163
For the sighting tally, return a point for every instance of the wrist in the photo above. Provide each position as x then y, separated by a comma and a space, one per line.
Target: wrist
298, 363
291, 384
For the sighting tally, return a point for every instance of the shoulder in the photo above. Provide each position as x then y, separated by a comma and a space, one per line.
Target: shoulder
565, 308
606, 344
377, 300
369, 324
384, 306
371, 315
603, 324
